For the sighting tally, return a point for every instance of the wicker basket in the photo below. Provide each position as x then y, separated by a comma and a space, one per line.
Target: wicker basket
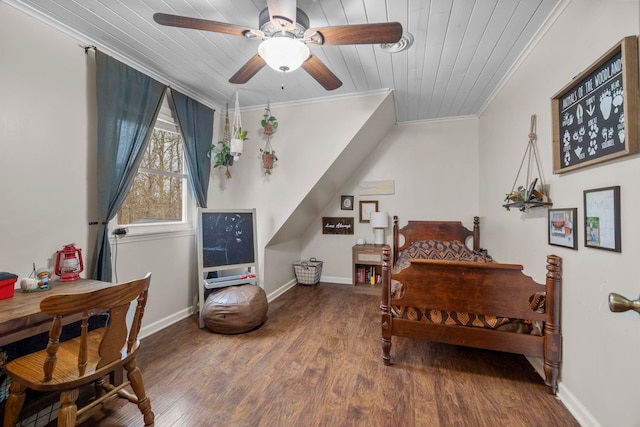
308, 272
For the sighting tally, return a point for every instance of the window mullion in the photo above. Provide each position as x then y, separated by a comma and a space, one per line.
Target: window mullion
163, 173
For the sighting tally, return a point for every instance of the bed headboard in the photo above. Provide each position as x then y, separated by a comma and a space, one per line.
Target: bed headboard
433, 230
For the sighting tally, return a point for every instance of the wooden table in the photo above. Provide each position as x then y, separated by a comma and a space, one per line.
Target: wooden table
20, 316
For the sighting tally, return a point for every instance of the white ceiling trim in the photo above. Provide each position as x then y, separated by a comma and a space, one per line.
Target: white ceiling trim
544, 28
462, 53
87, 42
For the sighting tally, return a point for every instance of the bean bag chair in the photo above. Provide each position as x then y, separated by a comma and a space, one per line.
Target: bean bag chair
235, 309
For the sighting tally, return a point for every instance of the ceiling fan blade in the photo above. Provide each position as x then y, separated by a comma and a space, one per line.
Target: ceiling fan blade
248, 70
321, 73
199, 24
279, 9
384, 32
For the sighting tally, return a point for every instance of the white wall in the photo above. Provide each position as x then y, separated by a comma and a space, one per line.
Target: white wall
600, 349
47, 168
311, 144
47, 142
44, 147
434, 165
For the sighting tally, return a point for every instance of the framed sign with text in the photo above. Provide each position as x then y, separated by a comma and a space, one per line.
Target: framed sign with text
595, 116
337, 225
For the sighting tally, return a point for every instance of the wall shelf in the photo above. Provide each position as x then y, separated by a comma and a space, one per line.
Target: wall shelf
523, 206
525, 198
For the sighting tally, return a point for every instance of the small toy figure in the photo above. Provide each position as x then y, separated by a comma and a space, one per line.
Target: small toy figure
43, 275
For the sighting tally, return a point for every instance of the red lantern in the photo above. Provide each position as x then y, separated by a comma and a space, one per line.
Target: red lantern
69, 263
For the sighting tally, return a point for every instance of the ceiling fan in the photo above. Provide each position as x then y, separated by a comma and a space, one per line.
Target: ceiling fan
285, 34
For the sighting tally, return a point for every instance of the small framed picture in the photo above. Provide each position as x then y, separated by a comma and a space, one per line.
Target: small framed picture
346, 203
562, 227
602, 218
366, 207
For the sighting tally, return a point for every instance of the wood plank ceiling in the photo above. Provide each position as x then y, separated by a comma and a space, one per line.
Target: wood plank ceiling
462, 48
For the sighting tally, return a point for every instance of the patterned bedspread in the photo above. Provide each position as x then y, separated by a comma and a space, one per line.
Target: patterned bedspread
455, 251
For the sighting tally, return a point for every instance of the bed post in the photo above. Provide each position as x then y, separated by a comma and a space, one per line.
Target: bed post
552, 337
395, 239
385, 304
476, 233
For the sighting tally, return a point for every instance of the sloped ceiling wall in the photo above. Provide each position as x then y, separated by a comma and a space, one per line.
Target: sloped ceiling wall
319, 145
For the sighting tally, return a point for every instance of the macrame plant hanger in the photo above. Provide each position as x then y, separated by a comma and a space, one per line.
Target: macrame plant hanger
226, 140
529, 197
239, 134
269, 125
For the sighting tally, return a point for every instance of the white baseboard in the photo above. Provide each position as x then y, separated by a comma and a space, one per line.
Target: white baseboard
577, 409
341, 280
147, 330
281, 290
568, 399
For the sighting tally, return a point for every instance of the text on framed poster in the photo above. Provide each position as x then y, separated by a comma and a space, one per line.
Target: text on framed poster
589, 114
337, 225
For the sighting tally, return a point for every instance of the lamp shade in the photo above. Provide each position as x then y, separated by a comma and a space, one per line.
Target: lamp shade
283, 53
379, 220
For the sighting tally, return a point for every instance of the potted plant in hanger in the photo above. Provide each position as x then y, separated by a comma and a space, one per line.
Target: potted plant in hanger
268, 158
239, 134
237, 142
221, 150
269, 125
517, 195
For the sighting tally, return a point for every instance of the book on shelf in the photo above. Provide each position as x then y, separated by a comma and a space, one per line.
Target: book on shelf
368, 274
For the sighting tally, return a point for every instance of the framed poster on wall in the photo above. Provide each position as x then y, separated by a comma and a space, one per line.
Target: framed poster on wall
594, 116
562, 227
602, 218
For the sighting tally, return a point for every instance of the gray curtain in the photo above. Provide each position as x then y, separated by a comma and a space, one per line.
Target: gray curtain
128, 104
196, 125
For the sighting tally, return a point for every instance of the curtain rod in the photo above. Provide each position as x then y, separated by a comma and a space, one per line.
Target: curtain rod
94, 48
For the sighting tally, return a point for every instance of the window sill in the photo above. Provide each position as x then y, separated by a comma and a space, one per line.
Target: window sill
135, 234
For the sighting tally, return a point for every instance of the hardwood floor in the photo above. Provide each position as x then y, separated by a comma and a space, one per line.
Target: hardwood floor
316, 362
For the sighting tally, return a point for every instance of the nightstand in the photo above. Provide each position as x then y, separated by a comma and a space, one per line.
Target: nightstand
367, 268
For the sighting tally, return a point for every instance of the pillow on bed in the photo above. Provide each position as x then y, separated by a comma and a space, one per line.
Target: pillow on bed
453, 250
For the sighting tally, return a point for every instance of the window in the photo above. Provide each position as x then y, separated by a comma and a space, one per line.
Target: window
159, 199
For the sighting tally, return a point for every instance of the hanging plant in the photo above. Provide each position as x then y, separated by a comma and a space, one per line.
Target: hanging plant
269, 124
517, 195
268, 158
221, 150
239, 134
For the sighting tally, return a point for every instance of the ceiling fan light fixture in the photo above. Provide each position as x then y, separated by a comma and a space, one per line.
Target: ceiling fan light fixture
283, 53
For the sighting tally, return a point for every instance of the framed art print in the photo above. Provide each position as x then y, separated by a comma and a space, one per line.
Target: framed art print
602, 218
366, 207
562, 227
346, 203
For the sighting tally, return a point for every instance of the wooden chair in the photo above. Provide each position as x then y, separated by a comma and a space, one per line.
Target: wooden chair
65, 367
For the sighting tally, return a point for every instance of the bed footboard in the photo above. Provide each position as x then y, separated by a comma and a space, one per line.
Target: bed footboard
481, 288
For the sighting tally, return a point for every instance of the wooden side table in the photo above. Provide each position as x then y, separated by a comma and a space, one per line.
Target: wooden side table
367, 268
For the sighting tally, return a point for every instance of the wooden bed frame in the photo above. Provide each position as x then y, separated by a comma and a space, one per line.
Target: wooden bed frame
481, 288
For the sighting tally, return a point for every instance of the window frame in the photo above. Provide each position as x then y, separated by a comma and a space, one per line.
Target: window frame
165, 122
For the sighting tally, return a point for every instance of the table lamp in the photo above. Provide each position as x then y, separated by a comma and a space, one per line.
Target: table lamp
379, 221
